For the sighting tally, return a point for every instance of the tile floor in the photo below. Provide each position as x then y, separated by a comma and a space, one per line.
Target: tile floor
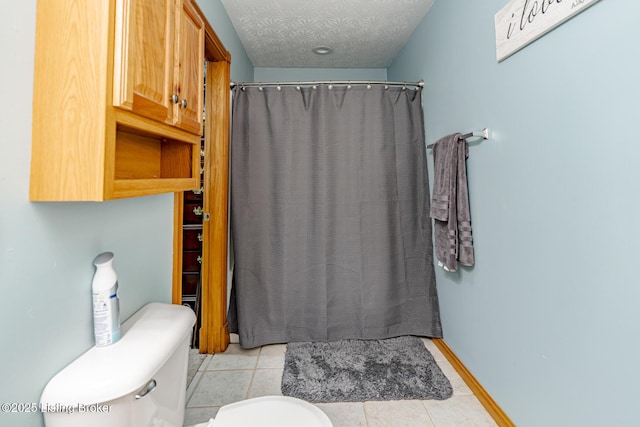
240, 374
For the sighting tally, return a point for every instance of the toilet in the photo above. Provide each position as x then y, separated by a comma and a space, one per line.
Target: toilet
140, 381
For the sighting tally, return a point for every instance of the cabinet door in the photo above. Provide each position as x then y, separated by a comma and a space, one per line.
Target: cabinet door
144, 57
189, 80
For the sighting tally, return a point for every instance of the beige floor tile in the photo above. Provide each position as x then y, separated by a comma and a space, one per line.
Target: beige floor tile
231, 376
458, 384
397, 413
459, 411
266, 382
272, 356
195, 362
347, 414
199, 415
204, 365
217, 388
192, 385
234, 357
435, 351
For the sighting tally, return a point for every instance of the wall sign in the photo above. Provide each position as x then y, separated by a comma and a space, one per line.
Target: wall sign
522, 21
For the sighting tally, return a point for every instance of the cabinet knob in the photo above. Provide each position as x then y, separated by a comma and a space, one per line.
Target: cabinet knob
175, 98
183, 104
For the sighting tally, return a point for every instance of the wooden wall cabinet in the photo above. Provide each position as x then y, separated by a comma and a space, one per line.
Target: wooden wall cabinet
159, 61
189, 71
105, 121
144, 57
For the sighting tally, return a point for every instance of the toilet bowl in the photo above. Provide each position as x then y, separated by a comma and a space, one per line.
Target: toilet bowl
140, 381
269, 411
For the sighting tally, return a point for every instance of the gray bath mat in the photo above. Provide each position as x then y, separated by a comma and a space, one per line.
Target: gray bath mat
359, 370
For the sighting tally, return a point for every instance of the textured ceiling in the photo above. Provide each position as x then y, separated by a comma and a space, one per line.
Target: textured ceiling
362, 33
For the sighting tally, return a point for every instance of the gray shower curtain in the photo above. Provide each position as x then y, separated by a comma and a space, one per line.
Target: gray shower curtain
330, 215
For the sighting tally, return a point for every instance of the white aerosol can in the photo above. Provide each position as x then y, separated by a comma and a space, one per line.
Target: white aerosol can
106, 305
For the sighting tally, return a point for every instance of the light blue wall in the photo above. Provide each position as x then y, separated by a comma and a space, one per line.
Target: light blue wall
266, 74
46, 249
548, 320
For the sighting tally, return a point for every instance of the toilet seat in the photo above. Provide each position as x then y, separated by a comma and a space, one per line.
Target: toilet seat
270, 411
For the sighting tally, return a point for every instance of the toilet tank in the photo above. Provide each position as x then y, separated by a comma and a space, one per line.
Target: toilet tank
139, 381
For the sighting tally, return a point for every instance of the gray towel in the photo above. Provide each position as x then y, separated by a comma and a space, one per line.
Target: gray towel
450, 203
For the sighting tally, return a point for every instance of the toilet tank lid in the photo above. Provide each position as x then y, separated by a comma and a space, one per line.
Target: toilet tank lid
103, 374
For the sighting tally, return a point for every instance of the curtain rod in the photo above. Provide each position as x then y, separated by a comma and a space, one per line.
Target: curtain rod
419, 84
484, 134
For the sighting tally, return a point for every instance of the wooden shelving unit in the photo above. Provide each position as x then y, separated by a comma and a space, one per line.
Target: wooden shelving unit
111, 117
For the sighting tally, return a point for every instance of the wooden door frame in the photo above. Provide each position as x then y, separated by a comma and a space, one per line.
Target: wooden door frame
214, 331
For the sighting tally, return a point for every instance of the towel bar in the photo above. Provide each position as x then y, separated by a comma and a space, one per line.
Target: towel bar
484, 134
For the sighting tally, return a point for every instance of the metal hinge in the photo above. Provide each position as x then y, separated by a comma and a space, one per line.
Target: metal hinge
206, 216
